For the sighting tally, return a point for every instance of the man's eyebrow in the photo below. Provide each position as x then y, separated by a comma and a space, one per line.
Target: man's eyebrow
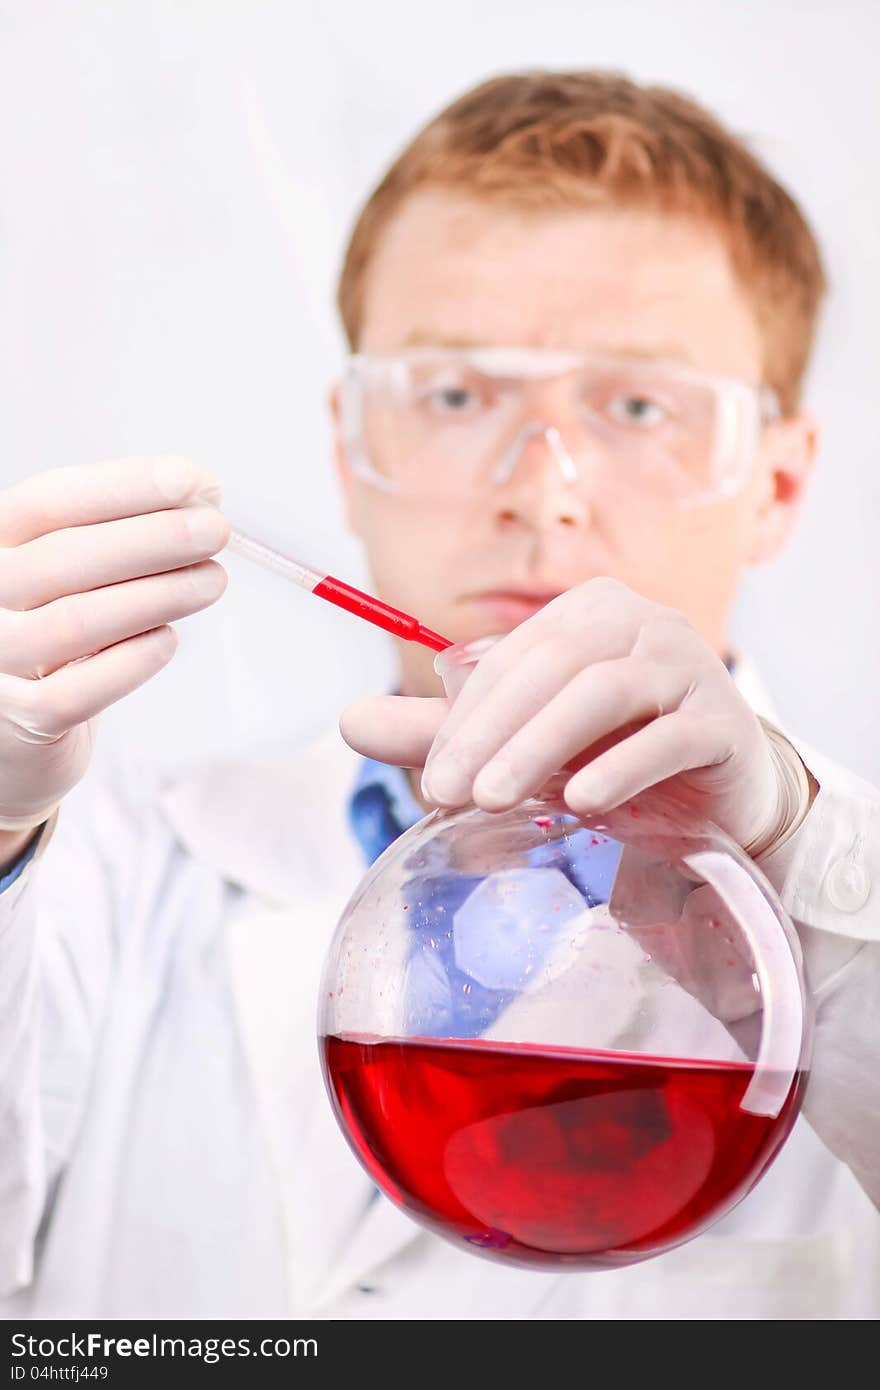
649, 352
652, 352
417, 337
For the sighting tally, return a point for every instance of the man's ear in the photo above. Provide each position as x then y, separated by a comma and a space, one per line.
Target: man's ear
341, 462
785, 465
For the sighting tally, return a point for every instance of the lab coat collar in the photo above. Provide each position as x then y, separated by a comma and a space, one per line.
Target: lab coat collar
275, 824
748, 682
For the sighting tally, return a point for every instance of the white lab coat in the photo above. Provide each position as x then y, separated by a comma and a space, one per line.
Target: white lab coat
166, 1146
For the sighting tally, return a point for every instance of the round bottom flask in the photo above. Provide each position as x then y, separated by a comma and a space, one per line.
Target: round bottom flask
560, 1042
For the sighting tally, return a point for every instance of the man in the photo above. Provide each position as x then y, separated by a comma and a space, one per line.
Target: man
581, 312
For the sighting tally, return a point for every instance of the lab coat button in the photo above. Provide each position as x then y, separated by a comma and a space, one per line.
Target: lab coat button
847, 885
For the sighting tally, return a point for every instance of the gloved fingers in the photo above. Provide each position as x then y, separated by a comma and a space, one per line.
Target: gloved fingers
44, 710
40, 641
81, 558
666, 747
597, 703
86, 494
397, 729
597, 621
464, 746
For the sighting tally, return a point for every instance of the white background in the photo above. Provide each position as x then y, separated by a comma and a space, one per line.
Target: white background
177, 179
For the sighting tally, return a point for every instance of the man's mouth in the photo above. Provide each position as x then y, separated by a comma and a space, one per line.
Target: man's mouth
511, 606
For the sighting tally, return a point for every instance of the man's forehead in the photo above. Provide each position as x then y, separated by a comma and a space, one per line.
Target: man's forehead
630, 284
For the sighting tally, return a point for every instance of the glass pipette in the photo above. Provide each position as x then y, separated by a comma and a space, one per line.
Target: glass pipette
338, 592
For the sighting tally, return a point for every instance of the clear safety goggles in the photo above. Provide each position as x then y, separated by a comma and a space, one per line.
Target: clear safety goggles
444, 422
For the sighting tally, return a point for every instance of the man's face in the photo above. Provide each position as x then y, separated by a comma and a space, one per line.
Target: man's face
452, 271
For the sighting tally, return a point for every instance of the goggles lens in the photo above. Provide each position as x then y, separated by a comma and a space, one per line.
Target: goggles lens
445, 421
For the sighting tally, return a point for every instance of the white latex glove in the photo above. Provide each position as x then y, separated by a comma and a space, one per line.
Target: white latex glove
95, 561
618, 688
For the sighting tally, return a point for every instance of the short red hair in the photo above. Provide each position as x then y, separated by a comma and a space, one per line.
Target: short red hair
543, 140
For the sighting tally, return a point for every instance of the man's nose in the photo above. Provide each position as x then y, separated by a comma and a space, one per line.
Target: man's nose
536, 480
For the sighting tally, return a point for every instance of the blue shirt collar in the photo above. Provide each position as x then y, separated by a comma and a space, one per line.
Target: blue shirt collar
381, 806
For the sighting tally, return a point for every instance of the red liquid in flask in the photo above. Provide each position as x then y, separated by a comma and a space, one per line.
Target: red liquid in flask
551, 1158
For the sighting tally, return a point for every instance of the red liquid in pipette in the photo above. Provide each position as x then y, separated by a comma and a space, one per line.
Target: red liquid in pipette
346, 596
382, 614
551, 1159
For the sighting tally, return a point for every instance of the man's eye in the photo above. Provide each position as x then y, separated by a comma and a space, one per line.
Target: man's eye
635, 410
452, 400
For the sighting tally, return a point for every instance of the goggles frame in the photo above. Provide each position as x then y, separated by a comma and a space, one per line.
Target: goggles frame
539, 364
